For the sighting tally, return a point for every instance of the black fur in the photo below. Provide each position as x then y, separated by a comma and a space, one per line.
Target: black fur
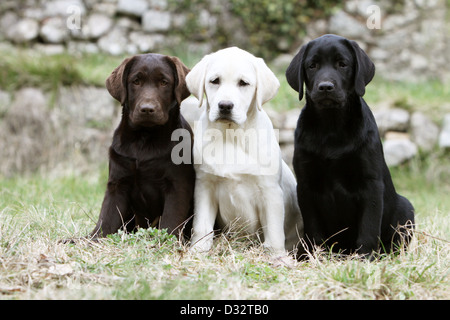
345, 190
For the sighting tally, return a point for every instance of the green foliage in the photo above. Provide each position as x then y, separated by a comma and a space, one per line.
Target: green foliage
269, 22
22, 68
37, 211
263, 27
151, 237
31, 70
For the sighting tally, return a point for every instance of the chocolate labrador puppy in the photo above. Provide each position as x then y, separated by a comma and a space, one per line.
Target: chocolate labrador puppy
145, 187
345, 190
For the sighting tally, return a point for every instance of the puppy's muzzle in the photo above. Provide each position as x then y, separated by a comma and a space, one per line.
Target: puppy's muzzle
225, 107
147, 109
325, 87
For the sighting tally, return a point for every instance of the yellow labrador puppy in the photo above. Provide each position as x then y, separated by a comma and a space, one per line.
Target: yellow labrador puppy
241, 177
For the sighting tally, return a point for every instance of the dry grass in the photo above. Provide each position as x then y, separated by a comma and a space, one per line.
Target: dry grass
150, 264
38, 211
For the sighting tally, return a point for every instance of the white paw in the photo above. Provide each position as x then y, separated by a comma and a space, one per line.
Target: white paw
202, 245
283, 261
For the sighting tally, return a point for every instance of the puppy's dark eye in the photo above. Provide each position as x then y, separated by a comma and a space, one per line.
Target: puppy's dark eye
342, 64
215, 81
163, 83
312, 65
137, 82
243, 83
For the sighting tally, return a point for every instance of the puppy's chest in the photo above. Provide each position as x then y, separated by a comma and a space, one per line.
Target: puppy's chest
347, 174
239, 202
143, 167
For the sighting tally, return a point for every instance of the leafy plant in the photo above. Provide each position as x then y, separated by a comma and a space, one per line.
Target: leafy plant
276, 25
264, 27
151, 237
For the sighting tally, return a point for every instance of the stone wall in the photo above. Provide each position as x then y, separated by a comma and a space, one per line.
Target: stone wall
412, 42
69, 136
407, 39
403, 133
413, 39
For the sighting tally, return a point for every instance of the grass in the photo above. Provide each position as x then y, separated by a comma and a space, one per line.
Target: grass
36, 211
21, 68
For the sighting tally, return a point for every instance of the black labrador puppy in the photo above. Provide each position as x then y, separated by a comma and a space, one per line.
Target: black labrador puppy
345, 190
145, 187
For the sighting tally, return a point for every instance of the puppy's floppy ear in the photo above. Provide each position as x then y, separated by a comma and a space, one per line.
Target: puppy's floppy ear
116, 83
267, 83
295, 72
195, 80
364, 70
181, 91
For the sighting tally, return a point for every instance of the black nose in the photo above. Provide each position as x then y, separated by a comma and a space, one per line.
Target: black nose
146, 109
326, 86
225, 107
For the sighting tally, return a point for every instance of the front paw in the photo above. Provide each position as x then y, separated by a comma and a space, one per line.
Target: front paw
202, 245
283, 261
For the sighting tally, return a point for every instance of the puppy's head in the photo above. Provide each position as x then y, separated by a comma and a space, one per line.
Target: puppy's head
235, 84
149, 86
332, 68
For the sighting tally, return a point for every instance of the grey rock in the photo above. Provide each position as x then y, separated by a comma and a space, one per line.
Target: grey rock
107, 8
8, 20
5, 101
28, 105
347, 26
82, 47
277, 118
49, 49
35, 12
358, 6
179, 21
316, 28
98, 25
114, 43
292, 118
391, 120
396, 39
283, 120
424, 132
397, 151
287, 154
377, 54
207, 20
64, 8
282, 61
26, 137
154, 21
146, 42
428, 4
132, 7
54, 30
159, 4
86, 105
286, 136
23, 31
91, 143
127, 23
